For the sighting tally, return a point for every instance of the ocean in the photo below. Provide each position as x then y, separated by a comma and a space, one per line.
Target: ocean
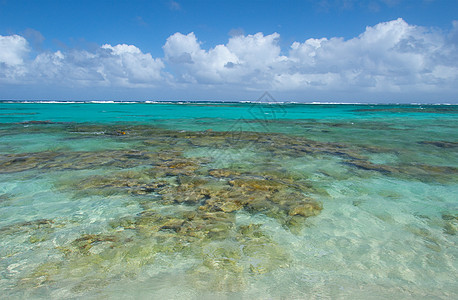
225, 200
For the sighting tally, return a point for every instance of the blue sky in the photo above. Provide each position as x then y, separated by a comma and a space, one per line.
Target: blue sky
334, 50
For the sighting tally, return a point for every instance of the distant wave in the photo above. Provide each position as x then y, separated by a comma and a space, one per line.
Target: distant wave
37, 101
181, 102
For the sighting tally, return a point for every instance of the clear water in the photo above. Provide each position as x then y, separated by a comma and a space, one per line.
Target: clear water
115, 200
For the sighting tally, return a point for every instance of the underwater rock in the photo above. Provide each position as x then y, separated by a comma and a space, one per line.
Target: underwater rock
42, 275
10, 163
4, 198
124, 222
85, 243
7, 199
250, 230
257, 203
440, 144
306, 209
222, 190
174, 166
256, 184
192, 181
171, 162
36, 231
219, 173
450, 223
184, 193
172, 224
450, 228
366, 165
418, 171
223, 199
226, 206
130, 182
192, 224
93, 261
286, 197
424, 169
259, 195
449, 217
208, 139
213, 225
28, 226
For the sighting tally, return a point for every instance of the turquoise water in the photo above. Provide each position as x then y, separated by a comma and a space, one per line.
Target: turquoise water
228, 200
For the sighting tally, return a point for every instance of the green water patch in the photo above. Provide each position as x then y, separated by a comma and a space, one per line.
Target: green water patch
31, 142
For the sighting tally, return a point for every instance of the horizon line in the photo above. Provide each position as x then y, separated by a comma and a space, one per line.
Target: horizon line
95, 101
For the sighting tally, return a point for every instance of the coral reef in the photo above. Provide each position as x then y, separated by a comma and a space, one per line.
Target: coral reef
189, 202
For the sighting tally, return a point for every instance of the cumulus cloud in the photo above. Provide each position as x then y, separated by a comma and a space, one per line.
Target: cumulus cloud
13, 49
127, 62
390, 55
244, 60
393, 57
13, 52
119, 65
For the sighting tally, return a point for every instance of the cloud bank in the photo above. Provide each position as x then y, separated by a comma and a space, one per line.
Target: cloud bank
388, 58
120, 65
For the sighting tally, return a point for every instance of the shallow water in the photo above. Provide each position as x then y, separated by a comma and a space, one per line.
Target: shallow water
228, 200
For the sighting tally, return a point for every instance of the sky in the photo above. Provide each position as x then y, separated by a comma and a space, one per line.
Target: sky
377, 51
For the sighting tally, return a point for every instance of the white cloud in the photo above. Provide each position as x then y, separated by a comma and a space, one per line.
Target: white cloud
244, 60
119, 65
127, 63
13, 53
390, 57
13, 49
48, 65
